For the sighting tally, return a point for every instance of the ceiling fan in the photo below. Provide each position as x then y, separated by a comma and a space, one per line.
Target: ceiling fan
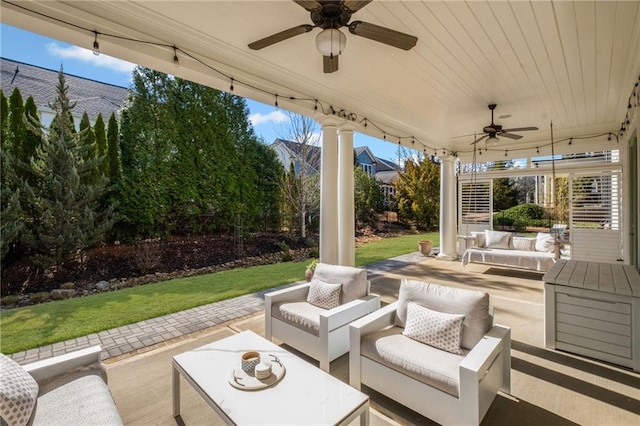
492, 131
330, 16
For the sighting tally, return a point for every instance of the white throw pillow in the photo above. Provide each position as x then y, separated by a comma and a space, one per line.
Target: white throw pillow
18, 393
479, 236
545, 242
437, 329
523, 243
497, 239
324, 295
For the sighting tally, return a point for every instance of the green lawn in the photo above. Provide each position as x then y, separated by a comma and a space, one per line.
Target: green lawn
38, 325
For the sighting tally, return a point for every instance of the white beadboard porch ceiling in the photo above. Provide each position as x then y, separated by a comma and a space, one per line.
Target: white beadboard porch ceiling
573, 63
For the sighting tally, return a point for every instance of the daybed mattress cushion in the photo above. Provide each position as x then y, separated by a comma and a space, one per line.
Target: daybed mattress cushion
80, 398
535, 260
303, 315
424, 363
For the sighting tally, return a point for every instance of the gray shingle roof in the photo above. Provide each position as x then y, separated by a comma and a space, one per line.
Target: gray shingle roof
92, 96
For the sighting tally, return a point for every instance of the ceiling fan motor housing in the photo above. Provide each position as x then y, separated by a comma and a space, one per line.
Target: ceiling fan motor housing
330, 15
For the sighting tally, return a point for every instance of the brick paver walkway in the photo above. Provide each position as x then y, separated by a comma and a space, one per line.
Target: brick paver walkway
133, 337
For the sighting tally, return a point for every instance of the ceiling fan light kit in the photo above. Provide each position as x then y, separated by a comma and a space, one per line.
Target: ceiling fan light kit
331, 42
331, 15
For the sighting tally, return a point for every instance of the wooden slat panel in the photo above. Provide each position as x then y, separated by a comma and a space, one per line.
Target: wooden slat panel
592, 277
579, 275
620, 360
595, 335
614, 317
634, 279
620, 280
596, 324
594, 345
564, 11
606, 278
552, 274
564, 277
595, 303
585, 17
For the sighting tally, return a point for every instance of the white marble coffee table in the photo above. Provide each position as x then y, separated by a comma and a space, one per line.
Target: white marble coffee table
306, 395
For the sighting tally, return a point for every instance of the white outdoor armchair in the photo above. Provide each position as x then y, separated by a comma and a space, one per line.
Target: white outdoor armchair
321, 333
449, 388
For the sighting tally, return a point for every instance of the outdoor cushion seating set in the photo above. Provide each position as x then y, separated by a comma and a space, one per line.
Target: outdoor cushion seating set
434, 350
538, 253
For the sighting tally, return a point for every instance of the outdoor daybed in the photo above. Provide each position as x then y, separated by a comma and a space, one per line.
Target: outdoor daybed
68, 389
505, 249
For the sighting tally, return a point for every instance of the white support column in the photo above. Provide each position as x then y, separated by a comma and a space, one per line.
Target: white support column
448, 209
328, 194
346, 209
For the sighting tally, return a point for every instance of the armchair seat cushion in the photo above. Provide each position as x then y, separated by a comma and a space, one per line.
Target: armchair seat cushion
80, 397
303, 315
429, 365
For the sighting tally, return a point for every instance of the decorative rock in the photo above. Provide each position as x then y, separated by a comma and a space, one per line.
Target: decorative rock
68, 285
103, 285
60, 294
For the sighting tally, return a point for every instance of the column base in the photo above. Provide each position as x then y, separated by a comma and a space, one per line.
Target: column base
444, 256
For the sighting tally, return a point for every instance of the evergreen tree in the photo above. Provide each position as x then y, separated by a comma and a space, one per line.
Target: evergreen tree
88, 147
100, 134
33, 138
113, 163
4, 120
17, 128
368, 197
10, 209
418, 193
66, 218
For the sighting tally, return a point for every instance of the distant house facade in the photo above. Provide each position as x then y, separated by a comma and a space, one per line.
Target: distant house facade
384, 171
89, 95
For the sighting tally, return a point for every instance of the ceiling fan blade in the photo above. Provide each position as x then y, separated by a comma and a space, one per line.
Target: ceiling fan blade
355, 5
330, 64
308, 4
479, 139
510, 135
282, 35
520, 129
383, 35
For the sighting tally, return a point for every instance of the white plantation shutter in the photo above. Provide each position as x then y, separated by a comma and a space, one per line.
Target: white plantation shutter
596, 222
475, 205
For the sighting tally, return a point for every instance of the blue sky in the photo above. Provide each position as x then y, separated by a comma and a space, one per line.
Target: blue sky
23, 46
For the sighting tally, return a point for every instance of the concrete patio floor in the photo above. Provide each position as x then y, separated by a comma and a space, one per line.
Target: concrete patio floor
548, 387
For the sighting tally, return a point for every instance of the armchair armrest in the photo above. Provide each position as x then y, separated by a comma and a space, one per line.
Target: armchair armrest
61, 364
376, 320
344, 314
480, 360
297, 292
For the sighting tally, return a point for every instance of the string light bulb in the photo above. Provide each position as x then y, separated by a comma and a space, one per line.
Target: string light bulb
231, 86
276, 103
96, 46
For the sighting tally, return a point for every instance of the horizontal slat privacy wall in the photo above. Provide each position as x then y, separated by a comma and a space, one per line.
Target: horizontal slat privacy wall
595, 219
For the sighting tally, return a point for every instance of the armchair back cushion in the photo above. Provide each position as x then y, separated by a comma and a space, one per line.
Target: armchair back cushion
474, 305
353, 280
18, 393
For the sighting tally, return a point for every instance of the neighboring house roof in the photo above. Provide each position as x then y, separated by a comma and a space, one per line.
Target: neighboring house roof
385, 165
387, 177
91, 96
311, 152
